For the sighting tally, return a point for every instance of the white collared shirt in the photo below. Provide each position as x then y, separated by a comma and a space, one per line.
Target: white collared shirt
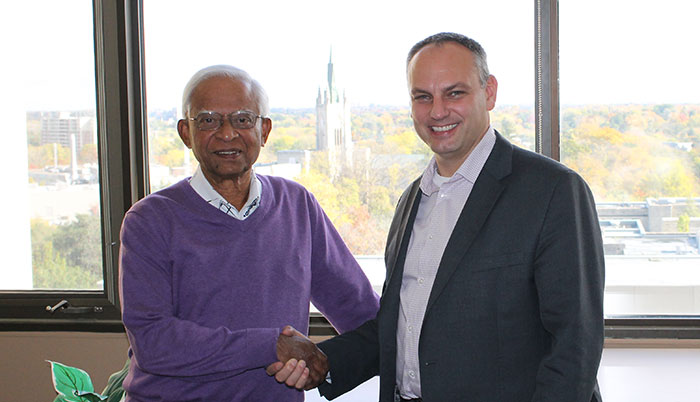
441, 203
201, 185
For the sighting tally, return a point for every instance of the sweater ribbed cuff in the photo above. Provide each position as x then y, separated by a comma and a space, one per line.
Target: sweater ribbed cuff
261, 346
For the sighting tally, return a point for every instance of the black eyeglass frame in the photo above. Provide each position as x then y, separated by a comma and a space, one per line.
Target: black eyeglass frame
231, 119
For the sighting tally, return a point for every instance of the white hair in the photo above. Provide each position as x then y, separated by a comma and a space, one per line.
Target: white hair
227, 71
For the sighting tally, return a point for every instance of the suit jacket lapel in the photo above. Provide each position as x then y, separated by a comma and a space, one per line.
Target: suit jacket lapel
482, 198
398, 241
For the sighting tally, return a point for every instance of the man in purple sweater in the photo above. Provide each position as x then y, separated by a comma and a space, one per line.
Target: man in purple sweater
213, 267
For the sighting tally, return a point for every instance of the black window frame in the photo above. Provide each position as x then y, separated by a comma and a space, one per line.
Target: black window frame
123, 156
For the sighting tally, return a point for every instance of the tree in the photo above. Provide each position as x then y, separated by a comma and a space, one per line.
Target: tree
684, 223
50, 270
80, 242
280, 143
43, 155
405, 142
88, 153
33, 131
165, 144
671, 179
174, 157
629, 153
361, 232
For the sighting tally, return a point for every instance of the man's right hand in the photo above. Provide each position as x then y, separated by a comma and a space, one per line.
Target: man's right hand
306, 365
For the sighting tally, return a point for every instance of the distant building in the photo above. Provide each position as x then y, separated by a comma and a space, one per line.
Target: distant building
72, 130
650, 227
295, 156
58, 127
288, 170
654, 214
333, 122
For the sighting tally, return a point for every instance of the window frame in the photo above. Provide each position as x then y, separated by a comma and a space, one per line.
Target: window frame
123, 157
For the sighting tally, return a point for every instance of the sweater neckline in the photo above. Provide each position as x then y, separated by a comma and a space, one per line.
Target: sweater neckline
201, 206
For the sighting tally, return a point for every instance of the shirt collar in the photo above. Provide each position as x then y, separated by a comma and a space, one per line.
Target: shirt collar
470, 168
201, 185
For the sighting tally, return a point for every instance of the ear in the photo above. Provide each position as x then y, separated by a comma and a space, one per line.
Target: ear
266, 128
183, 129
491, 92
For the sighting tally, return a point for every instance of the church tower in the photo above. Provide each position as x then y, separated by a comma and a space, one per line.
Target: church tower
333, 122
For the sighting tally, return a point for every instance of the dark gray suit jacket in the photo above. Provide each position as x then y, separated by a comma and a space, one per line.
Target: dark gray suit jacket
516, 310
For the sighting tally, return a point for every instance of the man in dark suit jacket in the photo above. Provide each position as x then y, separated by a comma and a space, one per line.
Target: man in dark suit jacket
495, 270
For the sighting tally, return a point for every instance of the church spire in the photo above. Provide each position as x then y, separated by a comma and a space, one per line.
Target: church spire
331, 74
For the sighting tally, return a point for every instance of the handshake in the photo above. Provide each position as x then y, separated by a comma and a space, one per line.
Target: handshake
306, 365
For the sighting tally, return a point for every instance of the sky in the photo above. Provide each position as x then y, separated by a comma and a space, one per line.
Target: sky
612, 51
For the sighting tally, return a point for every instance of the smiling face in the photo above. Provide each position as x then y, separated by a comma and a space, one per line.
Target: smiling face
226, 153
449, 106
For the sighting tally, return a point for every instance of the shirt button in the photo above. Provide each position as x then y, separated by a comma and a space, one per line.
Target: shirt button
410, 328
430, 237
412, 374
420, 280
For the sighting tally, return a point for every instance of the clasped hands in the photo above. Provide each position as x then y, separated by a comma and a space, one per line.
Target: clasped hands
306, 365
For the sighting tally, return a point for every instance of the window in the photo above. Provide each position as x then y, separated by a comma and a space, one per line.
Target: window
628, 121
53, 167
630, 125
358, 165
69, 168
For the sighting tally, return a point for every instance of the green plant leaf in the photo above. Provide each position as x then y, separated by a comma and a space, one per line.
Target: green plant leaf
90, 396
73, 384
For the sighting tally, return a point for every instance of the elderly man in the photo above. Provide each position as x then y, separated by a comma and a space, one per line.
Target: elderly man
495, 271
214, 266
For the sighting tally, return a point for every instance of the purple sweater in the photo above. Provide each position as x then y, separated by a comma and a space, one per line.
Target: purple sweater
204, 295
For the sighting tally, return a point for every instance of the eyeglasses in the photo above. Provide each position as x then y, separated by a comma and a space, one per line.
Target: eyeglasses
241, 119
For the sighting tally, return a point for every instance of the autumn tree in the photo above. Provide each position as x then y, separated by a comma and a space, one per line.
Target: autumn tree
40, 156
88, 154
